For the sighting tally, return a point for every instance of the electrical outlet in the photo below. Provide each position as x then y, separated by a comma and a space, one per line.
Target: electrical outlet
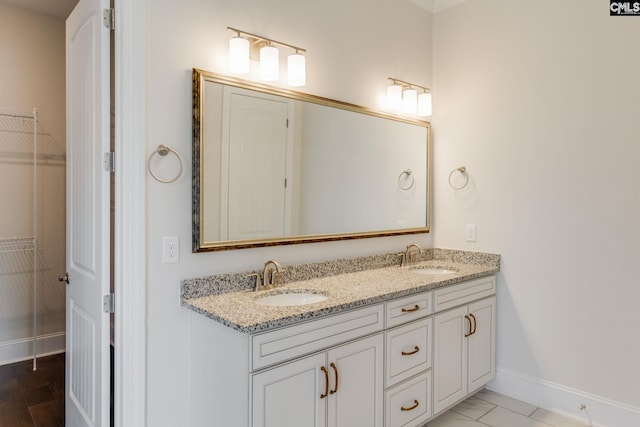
470, 232
170, 249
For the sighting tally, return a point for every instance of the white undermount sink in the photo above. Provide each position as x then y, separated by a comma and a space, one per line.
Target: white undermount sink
433, 270
290, 299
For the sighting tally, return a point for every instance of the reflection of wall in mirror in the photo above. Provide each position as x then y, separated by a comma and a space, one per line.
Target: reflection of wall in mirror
341, 186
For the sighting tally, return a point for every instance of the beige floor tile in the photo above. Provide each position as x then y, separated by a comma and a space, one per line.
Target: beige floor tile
473, 407
506, 402
501, 417
556, 420
452, 419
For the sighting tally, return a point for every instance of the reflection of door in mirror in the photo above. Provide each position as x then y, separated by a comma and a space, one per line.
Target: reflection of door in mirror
255, 136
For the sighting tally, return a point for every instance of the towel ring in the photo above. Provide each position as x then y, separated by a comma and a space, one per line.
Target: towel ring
463, 171
407, 173
163, 150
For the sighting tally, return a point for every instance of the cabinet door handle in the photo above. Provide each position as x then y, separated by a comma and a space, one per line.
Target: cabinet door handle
335, 369
475, 323
409, 310
409, 353
470, 326
326, 382
410, 408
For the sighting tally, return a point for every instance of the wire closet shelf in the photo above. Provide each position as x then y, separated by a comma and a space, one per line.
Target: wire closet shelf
24, 140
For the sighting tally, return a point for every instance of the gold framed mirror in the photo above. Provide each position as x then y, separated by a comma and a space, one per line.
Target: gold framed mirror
273, 166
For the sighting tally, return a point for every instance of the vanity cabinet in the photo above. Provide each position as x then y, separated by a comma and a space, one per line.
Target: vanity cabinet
341, 387
464, 341
392, 364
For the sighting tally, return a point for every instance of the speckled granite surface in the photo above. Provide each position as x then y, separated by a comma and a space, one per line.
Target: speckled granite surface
347, 284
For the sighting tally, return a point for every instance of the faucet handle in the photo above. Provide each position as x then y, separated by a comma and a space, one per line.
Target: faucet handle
258, 284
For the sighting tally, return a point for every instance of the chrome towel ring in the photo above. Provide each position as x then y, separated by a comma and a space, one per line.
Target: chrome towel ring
463, 172
406, 175
163, 150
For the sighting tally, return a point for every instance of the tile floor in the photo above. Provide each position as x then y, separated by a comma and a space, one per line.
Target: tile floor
487, 408
32, 398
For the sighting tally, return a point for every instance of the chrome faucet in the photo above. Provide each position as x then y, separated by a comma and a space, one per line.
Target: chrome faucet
271, 274
408, 256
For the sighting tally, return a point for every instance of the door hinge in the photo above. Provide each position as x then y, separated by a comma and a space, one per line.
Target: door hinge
287, 124
109, 303
110, 162
108, 17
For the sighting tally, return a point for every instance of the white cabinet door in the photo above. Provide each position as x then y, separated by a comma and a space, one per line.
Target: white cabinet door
289, 395
356, 395
482, 353
464, 355
450, 358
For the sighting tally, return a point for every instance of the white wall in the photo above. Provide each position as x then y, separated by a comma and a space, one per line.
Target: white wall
352, 48
32, 74
32, 68
540, 100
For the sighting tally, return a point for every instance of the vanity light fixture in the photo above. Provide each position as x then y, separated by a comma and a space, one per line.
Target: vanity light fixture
404, 96
239, 55
264, 50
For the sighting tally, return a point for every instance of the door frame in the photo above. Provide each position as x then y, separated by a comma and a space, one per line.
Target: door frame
130, 228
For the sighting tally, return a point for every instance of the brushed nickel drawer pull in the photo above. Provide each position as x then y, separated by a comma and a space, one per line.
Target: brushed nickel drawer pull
335, 369
409, 353
410, 408
326, 382
410, 310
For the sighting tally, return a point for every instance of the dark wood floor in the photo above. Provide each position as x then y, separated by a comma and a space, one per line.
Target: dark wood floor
29, 398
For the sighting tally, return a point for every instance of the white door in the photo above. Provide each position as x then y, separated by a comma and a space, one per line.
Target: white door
87, 356
357, 385
257, 168
291, 395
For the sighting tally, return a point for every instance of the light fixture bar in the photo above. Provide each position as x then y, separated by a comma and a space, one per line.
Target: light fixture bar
408, 85
266, 39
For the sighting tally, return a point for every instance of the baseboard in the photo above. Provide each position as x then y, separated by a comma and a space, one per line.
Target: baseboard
22, 349
599, 411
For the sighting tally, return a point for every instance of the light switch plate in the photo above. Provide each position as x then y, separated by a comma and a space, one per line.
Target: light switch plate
470, 232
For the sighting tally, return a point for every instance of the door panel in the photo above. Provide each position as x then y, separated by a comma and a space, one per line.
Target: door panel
482, 358
358, 397
450, 358
88, 254
257, 168
289, 396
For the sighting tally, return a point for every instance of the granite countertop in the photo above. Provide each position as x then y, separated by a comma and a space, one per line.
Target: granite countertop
239, 311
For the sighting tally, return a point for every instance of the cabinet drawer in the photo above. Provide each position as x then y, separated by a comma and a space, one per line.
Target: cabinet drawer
287, 343
455, 295
408, 350
410, 308
408, 403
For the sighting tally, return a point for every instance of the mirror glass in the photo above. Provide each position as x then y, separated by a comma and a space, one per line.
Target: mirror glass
273, 166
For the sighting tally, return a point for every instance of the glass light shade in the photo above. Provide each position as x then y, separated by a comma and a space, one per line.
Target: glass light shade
296, 70
239, 55
394, 97
410, 101
269, 64
424, 104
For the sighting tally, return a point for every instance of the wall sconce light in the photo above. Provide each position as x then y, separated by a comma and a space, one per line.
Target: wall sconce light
263, 50
403, 96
